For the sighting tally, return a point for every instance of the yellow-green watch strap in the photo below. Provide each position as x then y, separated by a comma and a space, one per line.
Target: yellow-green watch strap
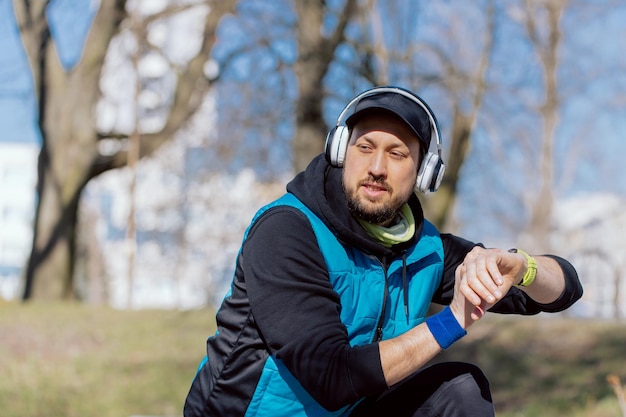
531, 269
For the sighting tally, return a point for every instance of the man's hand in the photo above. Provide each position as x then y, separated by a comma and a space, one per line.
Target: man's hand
483, 278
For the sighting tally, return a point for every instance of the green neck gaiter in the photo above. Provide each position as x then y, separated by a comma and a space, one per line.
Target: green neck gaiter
400, 232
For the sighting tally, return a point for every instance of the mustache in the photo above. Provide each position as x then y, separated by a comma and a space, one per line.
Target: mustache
376, 180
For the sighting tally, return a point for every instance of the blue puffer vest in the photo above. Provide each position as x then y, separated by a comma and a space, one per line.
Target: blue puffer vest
372, 297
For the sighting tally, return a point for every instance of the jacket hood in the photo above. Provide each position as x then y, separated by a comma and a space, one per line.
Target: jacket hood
319, 186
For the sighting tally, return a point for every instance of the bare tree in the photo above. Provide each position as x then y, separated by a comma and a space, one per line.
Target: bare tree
460, 83
70, 154
316, 51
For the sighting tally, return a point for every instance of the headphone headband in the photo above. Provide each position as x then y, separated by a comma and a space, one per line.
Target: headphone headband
434, 131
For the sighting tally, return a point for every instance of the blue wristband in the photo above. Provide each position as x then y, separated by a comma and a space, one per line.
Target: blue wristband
445, 328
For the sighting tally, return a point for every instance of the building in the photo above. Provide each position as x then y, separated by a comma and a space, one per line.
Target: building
18, 177
588, 230
189, 225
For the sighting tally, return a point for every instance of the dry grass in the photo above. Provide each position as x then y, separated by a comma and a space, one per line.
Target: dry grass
69, 360
616, 383
548, 366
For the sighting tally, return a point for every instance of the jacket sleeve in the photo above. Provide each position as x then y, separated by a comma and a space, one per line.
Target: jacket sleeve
515, 301
297, 311
454, 251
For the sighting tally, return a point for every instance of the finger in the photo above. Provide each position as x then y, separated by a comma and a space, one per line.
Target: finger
477, 313
494, 271
480, 283
463, 286
491, 277
488, 272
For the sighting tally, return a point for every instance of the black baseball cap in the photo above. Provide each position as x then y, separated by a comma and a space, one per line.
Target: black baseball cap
406, 109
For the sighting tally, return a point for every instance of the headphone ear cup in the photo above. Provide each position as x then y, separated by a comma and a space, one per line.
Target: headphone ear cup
430, 173
336, 145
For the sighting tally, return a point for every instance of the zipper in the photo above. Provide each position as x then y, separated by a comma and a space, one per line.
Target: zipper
378, 335
405, 290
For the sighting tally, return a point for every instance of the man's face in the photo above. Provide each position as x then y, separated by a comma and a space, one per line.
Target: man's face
380, 168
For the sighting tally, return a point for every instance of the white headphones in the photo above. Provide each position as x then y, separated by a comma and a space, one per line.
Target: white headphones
431, 170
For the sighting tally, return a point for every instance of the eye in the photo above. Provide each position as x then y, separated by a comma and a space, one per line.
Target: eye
396, 154
364, 146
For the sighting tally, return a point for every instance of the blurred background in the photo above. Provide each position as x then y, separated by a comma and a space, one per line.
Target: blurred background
139, 137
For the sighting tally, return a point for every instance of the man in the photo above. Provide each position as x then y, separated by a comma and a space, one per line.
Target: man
327, 313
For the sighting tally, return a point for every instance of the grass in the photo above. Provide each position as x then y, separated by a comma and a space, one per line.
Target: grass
545, 366
71, 360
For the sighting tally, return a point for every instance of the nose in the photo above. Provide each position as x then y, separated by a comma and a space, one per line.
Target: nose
378, 165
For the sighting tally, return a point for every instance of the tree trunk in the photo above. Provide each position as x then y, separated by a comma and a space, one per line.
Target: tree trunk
50, 265
315, 54
547, 48
67, 125
438, 206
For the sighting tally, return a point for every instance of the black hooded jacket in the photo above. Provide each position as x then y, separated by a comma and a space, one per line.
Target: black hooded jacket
282, 304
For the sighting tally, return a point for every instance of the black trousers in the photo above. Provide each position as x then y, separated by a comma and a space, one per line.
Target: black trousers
448, 389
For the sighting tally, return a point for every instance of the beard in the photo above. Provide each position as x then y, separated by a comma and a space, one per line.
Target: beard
381, 214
